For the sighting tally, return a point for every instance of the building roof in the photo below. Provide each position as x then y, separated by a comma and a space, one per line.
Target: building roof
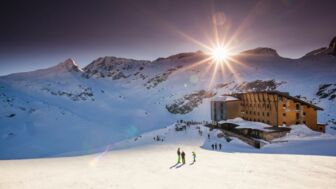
224, 98
282, 94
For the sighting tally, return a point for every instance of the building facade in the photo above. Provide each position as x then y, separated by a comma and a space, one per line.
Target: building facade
275, 108
225, 107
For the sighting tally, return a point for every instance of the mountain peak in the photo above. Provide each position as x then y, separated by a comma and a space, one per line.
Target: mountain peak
331, 50
262, 51
184, 55
332, 46
68, 65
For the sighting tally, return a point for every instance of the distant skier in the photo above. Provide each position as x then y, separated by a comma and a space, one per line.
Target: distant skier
194, 157
216, 146
209, 136
220, 146
212, 146
178, 156
183, 157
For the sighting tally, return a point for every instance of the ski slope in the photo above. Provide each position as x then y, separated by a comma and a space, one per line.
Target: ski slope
66, 109
142, 162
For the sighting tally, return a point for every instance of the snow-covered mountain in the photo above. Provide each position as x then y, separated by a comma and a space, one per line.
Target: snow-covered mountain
331, 50
67, 109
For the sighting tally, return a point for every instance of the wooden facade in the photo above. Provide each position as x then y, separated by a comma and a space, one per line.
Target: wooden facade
276, 109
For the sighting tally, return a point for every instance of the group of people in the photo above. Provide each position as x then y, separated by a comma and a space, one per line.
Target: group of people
182, 155
214, 146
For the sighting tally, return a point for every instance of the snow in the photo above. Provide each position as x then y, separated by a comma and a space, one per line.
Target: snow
224, 98
141, 162
61, 111
247, 124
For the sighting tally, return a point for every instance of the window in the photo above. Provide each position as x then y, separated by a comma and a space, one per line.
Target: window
267, 114
298, 106
284, 123
297, 115
304, 113
284, 105
263, 114
297, 123
304, 122
268, 122
284, 114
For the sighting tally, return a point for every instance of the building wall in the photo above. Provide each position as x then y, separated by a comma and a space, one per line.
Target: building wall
223, 110
232, 109
269, 108
260, 107
291, 113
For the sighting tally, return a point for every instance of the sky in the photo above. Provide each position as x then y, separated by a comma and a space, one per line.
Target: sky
38, 34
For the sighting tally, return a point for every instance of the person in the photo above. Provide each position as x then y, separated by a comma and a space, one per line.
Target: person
216, 146
209, 136
212, 146
183, 157
220, 146
178, 156
194, 156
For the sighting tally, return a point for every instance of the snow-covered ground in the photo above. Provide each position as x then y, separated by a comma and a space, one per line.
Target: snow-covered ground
70, 110
143, 162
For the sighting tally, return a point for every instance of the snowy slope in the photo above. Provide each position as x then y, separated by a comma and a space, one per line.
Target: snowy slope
142, 162
66, 109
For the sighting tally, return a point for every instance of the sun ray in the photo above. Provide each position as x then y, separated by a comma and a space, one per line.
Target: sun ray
195, 64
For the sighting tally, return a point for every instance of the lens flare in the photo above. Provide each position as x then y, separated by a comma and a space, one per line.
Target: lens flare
220, 54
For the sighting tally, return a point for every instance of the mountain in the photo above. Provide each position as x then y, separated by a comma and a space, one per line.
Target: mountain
65, 109
331, 50
261, 51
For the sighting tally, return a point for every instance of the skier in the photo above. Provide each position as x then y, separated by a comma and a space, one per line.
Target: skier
212, 146
220, 146
194, 156
178, 156
183, 157
209, 136
216, 146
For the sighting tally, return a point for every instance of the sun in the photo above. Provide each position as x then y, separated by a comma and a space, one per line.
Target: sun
219, 54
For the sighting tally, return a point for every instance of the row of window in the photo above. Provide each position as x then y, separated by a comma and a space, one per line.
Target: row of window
259, 120
257, 98
297, 114
256, 105
297, 122
257, 113
297, 106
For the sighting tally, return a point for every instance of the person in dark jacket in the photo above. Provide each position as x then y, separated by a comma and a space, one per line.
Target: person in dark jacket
194, 157
178, 156
216, 146
212, 146
220, 146
183, 157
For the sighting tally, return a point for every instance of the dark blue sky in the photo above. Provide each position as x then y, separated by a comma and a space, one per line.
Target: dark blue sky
38, 34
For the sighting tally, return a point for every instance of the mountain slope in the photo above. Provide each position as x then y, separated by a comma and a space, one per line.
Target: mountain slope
67, 109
